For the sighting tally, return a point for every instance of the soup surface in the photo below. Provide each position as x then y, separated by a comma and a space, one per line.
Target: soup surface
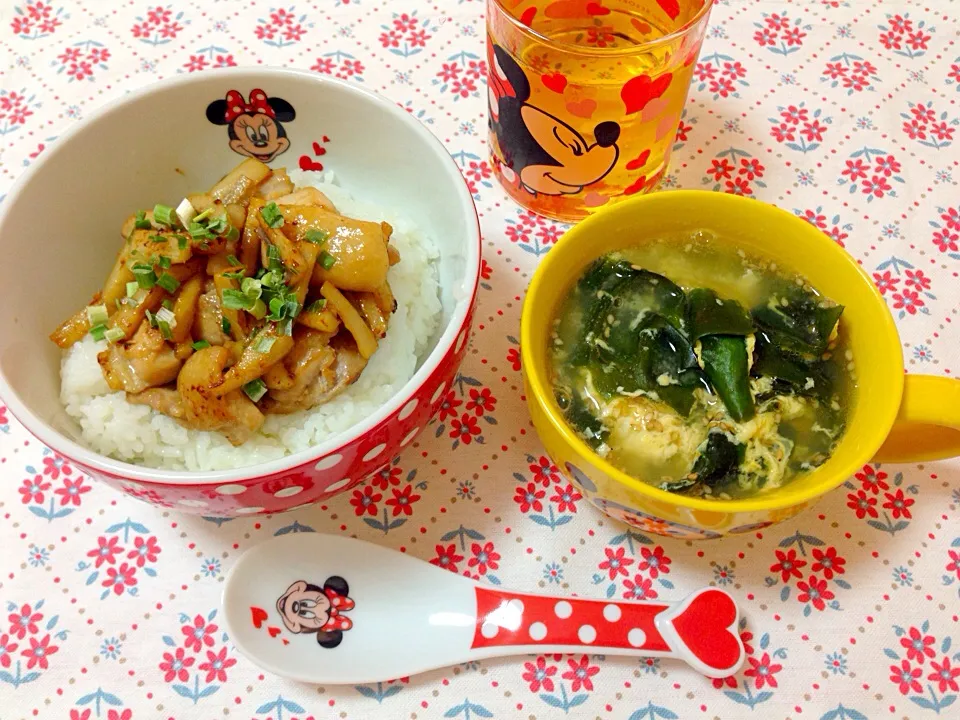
700, 369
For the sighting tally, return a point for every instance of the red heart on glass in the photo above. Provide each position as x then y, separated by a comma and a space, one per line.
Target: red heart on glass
596, 8
555, 82
639, 161
638, 91
528, 16
670, 7
258, 615
706, 625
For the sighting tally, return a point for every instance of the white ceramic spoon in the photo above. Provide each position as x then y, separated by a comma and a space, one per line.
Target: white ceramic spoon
328, 609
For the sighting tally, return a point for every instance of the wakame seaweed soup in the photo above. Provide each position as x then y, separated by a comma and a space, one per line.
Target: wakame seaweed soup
700, 369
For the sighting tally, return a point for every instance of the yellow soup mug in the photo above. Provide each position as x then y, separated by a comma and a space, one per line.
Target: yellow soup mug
893, 418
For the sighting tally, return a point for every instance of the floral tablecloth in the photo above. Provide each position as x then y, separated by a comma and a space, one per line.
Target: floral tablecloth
844, 112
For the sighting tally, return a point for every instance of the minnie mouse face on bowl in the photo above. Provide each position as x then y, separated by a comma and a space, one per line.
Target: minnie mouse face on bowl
255, 128
149, 160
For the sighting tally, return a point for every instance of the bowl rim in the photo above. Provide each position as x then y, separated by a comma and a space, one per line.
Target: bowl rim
539, 392
464, 288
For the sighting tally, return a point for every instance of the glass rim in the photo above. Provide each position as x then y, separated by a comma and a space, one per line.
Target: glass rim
524, 29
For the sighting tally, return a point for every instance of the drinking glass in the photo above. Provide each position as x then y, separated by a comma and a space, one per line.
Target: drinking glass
585, 96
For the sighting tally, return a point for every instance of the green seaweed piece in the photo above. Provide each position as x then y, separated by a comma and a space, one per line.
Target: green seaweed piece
718, 460
708, 314
725, 364
802, 325
813, 379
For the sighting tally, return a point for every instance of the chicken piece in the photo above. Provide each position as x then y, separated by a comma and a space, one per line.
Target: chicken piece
208, 322
239, 184
319, 317
163, 400
358, 247
232, 414
142, 362
146, 244
307, 196
275, 186
393, 255
130, 224
311, 354
314, 381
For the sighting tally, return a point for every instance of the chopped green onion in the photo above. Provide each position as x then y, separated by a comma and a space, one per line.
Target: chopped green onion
317, 237
232, 233
259, 310
251, 288
186, 212
255, 389
132, 287
200, 345
236, 300
271, 215
232, 259
218, 225
199, 232
285, 327
163, 214
182, 242
168, 282
166, 315
97, 314
276, 306
145, 275
117, 301
141, 222
235, 275
204, 215
98, 331
225, 325
113, 335
264, 344
167, 303
327, 260
151, 318
163, 261
157, 239
165, 329
317, 305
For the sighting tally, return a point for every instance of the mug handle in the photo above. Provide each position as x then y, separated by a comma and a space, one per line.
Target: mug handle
928, 424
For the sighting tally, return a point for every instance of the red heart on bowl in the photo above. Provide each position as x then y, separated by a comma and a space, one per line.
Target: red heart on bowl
638, 91
308, 163
704, 627
555, 82
258, 615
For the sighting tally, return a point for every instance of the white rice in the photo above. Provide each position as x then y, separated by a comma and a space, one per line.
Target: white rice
138, 434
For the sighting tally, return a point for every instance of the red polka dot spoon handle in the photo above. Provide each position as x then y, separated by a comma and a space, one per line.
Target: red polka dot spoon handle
333, 610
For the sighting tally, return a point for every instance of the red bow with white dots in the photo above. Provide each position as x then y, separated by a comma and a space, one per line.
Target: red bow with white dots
338, 604
237, 106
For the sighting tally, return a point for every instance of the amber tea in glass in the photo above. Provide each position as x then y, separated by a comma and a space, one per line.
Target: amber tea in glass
585, 96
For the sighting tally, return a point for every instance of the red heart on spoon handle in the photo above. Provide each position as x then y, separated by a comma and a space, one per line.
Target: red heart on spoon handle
703, 631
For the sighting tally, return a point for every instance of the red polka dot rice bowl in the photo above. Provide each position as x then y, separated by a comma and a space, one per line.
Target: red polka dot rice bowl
59, 232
